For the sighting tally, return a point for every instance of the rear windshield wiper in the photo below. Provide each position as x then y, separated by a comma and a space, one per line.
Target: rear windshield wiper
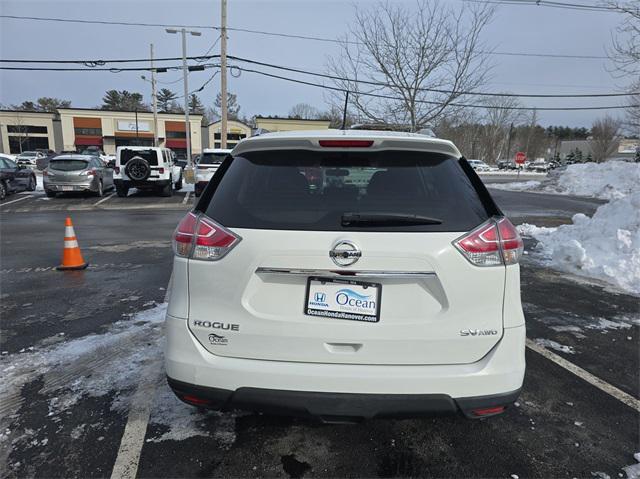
387, 219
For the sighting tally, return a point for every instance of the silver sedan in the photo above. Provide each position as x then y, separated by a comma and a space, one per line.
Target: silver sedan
67, 173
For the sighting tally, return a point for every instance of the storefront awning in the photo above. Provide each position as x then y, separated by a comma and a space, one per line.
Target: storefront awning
176, 143
89, 141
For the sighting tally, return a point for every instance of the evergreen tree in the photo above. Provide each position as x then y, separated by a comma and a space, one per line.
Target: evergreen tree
165, 98
195, 105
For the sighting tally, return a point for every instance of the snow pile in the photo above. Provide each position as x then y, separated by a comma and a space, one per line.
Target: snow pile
516, 186
609, 180
606, 246
633, 471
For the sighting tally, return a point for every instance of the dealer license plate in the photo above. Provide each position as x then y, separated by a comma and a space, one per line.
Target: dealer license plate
343, 299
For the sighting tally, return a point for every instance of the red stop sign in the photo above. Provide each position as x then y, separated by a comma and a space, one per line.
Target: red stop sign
520, 158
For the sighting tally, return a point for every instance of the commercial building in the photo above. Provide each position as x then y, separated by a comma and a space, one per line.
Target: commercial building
107, 129
27, 131
236, 131
289, 124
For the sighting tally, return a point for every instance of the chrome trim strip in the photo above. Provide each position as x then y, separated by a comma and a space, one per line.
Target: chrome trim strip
347, 273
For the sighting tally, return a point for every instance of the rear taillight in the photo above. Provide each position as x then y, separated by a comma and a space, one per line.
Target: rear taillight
488, 411
493, 243
91, 172
161, 171
202, 238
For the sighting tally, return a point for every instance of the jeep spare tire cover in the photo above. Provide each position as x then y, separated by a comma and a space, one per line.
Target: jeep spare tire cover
138, 169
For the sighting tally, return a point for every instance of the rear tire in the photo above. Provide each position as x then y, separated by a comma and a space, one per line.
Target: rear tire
50, 194
122, 191
32, 184
178, 185
166, 190
3, 191
100, 191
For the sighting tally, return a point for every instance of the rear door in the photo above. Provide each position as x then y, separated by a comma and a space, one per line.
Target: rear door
412, 294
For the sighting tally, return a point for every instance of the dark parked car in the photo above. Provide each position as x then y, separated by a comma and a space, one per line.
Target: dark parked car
14, 178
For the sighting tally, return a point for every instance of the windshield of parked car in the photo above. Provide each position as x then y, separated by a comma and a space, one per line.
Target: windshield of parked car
211, 158
335, 191
68, 165
27, 154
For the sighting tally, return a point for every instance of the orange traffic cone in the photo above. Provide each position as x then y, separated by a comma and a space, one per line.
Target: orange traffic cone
71, 255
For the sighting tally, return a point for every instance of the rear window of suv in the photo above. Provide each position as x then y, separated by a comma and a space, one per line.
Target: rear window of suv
68, 165
316, 191
211, 158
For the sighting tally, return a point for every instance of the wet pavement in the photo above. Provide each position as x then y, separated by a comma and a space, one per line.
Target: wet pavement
81, 353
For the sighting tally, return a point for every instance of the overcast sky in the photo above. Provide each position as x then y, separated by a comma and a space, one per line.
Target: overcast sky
515, 29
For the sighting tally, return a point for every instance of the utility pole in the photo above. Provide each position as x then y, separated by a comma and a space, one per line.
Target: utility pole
223, 75
188, 170
154, 101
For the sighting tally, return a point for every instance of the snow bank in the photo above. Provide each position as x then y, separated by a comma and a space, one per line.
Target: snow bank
516, 186
609, 180
605, 247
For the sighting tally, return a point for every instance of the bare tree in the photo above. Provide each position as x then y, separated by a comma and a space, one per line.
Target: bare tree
416, 61
625, 53
498, 118
604, 138
304, 111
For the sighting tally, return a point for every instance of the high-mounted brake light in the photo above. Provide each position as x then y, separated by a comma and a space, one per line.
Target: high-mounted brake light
493, 243
202, 238
346, 143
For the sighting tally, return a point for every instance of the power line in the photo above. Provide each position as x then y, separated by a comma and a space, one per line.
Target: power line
377, 95
112, 70
301, 37
434, 90
100, 62
550, 3
289, 69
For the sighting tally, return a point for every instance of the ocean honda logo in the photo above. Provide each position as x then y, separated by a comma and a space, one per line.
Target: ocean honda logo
345, 253
218, 340
348, 297
478, 332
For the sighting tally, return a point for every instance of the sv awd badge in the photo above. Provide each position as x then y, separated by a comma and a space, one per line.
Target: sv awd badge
478, 332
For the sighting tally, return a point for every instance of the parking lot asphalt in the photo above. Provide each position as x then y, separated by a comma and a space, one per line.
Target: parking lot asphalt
83, 392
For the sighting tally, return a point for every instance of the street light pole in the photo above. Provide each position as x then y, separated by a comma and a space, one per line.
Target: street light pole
185, 75
154, 101
188, 176
223, 75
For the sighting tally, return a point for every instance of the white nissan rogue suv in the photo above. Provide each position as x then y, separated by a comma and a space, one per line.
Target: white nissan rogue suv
346, 275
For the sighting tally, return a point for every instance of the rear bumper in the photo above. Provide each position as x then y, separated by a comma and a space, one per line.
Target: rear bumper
261, 385
146, 184
337, 406
90, 185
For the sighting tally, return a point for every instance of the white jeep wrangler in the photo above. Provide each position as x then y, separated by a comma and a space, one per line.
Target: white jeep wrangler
146, 168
